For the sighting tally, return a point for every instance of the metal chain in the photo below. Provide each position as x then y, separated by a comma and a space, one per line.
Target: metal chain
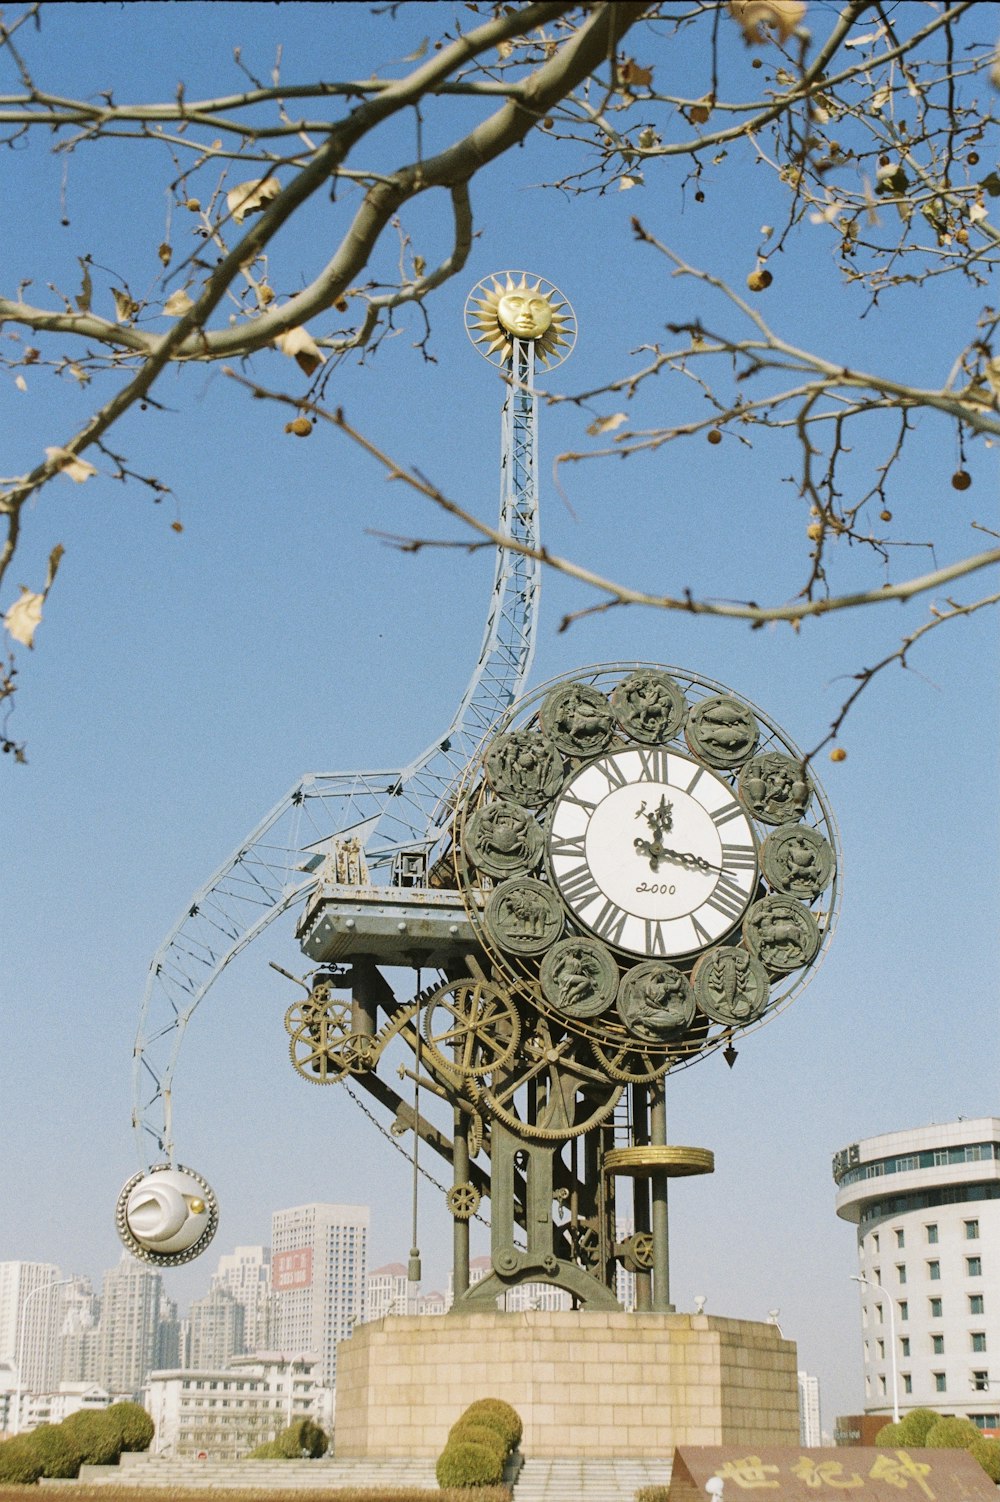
399, 1146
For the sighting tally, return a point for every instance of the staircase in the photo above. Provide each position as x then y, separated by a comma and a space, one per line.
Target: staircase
537, 1481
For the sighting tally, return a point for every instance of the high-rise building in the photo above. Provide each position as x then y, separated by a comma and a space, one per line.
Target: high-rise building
246, 1273
926, 1204
31, 1314
810, 1424
318, 1278
216, 1330
81, 1311
127, 1337
387, 1291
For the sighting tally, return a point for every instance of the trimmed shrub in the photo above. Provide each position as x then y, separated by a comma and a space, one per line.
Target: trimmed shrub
891, 1435
132, 1424
20, 1461
94, 1436
652, 1494
467, 1431
987, 1452
60, 1457
915, 1425
497, 1414
464, 1464
952, 1434
269, 1450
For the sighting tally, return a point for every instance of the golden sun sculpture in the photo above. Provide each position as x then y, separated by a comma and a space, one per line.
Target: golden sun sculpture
502, 309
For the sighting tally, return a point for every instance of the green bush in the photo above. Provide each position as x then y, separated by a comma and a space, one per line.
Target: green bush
469, 1432
60, 1457
891, 1435
952, 1434
132, 1424
987, 1452
94, 1436
465, 1464
498, 1415
916, 1424
20, 1461
269, 1450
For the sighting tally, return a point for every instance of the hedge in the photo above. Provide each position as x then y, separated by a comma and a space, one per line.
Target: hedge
478, 1444
462, 1463
132, 1424
96, 1438
497, 1415
915, 1425
303, 1437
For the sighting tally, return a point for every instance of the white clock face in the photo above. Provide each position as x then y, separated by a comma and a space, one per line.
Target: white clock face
652, 853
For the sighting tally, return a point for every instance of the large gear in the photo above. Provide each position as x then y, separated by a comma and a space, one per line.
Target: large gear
470, 1028
570, 1097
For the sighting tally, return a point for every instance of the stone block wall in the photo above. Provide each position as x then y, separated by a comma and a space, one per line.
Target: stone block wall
585, 1384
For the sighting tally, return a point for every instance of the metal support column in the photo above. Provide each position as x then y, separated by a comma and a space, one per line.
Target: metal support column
660, 1226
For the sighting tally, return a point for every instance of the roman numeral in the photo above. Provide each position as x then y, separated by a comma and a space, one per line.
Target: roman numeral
655, 943
578, 886
727, 898
699, 772
725, 813
610, 923
654, 765
573, 847
612, 773
738, 857
704, 937
584, 803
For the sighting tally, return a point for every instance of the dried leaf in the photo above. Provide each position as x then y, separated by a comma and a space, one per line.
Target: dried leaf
177, 304
700, 113
24, 617
125, 307
248, 198
992, 372
607, 424
978, 213
86, 292
414, 57
71, 464
20, 383
633, 76
302, 348
55, 558
629, 182
756, 17
165, 253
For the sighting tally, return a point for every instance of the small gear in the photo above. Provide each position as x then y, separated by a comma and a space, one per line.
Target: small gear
463, 1200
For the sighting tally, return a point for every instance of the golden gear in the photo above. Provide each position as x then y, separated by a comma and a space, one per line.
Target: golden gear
470, 1028
463, 1201
629, 1062
570, 1096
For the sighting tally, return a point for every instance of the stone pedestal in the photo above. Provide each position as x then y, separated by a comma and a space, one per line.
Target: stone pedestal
585, 1384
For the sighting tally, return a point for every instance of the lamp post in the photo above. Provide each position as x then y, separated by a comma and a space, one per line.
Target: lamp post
870, 1283
22, 1332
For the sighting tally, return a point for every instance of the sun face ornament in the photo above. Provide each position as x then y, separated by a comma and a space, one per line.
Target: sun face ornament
516, 306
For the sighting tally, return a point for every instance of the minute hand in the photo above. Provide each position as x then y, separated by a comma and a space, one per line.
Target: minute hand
657, 852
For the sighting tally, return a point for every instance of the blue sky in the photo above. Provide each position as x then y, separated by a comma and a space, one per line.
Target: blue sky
182, 682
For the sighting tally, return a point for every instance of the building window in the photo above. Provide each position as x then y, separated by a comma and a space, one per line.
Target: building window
978, 1338
907, 1382
975, 1303
881, 1385
878, 1313
880, 1345
936, 1307
986, 1420
901, 1272
974, 1267
934, 1270
932, 1234
981, 1381
900, 1238
972, 1230
875, 1242
939, 1382
937, 1345
904, 1308
905, 1346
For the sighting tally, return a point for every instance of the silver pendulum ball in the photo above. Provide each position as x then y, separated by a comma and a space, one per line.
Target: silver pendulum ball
167, 1215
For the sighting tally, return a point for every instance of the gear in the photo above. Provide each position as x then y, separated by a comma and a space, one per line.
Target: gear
629, 1062
567, 1096
470, 1028
463, 1200
636, 1252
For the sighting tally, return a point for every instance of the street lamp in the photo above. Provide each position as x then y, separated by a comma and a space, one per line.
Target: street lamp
870, 1283
22, 1332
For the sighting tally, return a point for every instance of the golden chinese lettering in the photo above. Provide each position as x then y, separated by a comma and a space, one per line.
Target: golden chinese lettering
824, 1473
750, 1472
899, 1470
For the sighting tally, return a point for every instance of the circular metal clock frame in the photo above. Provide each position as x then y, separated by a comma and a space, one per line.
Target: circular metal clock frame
651, 709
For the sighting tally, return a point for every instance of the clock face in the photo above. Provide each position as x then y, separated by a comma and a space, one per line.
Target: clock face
651, 852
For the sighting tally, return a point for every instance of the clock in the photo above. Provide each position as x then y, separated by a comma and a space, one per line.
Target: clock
649, 863
651, 852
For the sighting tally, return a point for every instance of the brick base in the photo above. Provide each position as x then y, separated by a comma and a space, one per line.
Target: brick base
585, 1384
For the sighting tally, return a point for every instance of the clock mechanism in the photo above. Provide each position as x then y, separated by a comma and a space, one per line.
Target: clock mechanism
649, 864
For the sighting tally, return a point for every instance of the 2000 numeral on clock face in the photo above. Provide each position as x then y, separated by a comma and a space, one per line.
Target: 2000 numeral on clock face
652, 853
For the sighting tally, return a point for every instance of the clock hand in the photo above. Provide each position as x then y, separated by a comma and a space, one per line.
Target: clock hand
657, 852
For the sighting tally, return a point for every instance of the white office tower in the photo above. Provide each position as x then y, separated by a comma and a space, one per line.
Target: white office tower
810, 1425
31, 1315
387, 1291
127, 1339
246, 1274
81, 1309
318, 1279
926, 1204
215, 1330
